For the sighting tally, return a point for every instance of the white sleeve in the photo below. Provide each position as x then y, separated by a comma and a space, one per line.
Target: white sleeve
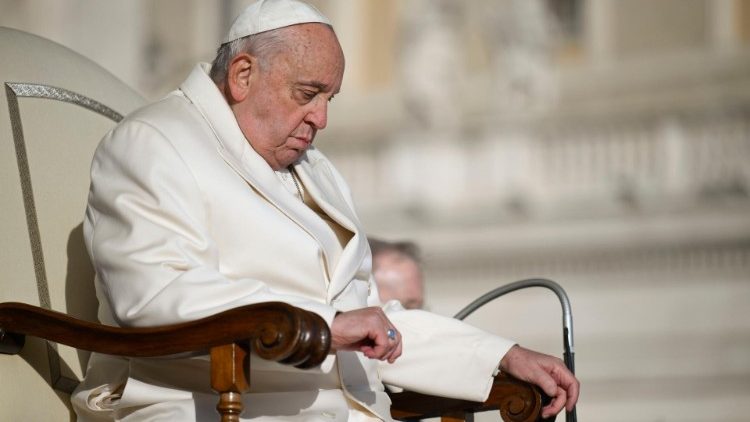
146, 232
443, 356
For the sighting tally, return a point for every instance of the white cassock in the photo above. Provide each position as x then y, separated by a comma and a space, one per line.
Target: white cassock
186, 220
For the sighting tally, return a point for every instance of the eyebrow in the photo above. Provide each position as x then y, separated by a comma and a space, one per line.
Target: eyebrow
317, 84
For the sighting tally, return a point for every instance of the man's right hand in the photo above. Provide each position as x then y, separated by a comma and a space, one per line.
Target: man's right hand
366, 330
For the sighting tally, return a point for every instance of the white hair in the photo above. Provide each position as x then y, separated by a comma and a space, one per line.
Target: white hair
263, 46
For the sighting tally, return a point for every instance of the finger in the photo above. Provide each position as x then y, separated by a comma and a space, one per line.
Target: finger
572, 387
568, 381
373, 345
393, 340
381, 347
555, 374
556, 405
573, 390
367, 351
544, 380
397, 353
379, 325
389, 356
373, 352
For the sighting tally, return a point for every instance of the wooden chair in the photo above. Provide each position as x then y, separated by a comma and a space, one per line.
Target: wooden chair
55, 109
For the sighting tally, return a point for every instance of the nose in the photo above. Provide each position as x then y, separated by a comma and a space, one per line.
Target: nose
317, 117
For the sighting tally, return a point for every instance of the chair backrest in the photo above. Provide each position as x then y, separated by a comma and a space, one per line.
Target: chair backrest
55, 105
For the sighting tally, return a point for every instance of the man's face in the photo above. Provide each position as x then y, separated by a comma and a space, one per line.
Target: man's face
287, 101
399, 277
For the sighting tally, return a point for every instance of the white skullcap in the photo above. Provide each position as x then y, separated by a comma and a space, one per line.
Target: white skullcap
265, 15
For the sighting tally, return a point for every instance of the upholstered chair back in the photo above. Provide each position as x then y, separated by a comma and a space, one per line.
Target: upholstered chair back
55, 105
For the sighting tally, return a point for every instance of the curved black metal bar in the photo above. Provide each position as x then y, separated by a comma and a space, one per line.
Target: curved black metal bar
567, 314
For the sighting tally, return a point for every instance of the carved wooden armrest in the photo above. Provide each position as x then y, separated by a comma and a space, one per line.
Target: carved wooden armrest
517, 401
273, 330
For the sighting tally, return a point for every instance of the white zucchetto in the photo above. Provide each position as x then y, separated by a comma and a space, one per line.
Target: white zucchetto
265, 15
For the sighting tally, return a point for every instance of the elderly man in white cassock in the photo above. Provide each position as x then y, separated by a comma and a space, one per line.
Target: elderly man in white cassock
214, 198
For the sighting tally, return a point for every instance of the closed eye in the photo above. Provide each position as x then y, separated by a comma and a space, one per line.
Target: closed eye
304, 96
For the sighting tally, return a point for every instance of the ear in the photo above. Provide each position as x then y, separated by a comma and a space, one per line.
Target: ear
240, 74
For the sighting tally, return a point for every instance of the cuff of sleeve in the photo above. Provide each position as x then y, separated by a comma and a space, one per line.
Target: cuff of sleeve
489, 355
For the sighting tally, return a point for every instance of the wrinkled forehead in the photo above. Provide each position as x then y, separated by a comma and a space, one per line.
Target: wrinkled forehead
314, 40
313, 52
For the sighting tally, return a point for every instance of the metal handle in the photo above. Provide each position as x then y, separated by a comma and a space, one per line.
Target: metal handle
567, 314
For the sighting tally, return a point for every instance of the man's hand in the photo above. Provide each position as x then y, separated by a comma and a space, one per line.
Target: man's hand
547, 372
366, 330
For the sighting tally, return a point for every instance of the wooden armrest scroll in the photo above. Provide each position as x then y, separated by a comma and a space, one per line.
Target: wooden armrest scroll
276, 331
517, 401
273, 330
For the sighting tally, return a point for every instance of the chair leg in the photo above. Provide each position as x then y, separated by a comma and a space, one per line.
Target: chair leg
230, 377
457, 416
230, 407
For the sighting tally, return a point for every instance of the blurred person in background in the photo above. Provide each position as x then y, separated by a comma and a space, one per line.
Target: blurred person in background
396, 268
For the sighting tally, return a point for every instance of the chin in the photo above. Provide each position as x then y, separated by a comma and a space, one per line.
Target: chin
284, 163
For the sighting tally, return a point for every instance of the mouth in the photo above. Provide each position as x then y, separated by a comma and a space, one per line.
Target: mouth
306, 142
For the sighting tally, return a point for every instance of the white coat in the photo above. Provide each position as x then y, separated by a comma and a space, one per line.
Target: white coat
185, 220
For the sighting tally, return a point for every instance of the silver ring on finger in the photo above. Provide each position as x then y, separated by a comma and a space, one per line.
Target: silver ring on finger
391, 333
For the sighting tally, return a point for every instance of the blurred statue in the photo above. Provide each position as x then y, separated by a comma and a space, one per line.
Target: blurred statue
520, 35
431, 64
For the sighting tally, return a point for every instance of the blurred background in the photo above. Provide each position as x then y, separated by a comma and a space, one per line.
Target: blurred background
604, 144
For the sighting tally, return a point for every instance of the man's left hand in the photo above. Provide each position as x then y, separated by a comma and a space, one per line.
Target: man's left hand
547, 372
